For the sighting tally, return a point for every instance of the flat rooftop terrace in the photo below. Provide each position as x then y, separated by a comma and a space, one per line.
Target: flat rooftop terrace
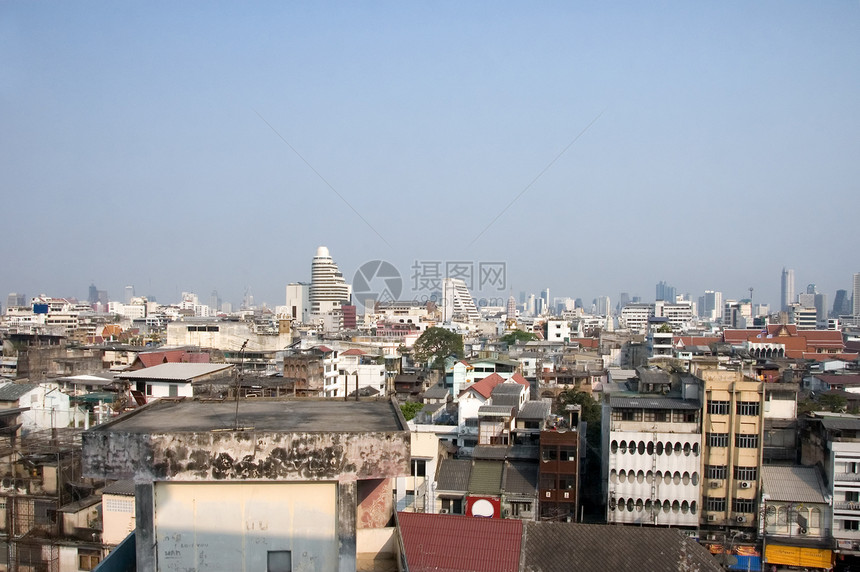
289, 416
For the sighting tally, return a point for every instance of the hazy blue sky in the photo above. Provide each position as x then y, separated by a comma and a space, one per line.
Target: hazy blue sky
132, 149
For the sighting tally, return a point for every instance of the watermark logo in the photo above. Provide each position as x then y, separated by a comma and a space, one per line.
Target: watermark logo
380, 281
376, 281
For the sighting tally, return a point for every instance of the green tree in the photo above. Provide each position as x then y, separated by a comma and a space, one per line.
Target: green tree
410, 409
591, 412
834, 403
436, 344
515, 336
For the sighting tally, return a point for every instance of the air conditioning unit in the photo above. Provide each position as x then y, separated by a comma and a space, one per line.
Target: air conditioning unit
740, 519
745, 484
712, 517
715, 484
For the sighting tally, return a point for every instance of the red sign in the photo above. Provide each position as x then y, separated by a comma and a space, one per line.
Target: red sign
483, 507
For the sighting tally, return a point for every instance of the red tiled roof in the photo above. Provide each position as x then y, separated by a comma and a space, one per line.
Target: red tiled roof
520, 379
842, 356
797, 342
685, 341
324, 349
587, 342
149, 359
485, 386
352, 352
452, 543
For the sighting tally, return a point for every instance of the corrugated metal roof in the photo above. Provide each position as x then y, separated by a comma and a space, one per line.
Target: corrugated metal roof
124, 488
562, 546
793, 484
497, 452
505, 399
14, 391
507, 388
453, 475
495, 411
451, 543
436, 392
841, 423
655, 402
176, 371
486, 478
534, 410
521, 478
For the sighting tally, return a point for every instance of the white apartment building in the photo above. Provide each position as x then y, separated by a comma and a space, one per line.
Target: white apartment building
634, 317
652, 458
457, 302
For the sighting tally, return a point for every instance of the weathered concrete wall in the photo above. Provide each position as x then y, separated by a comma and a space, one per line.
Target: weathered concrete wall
232, 455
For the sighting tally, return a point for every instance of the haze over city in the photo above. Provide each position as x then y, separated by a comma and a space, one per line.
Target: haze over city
593, 149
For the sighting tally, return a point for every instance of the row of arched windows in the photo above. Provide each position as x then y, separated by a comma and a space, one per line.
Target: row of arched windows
659, 448
639, 505
650, 477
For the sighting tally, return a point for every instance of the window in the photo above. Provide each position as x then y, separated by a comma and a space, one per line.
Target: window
452, 506
547, 482
518, 508
743, 505
172, 390
718, 439
549, 454
627, 415
746, 473
656, 415
149, 389
747, 408
684, 416
419, 468
567, 482
744, 441
718, 407
567, 453
279, 561
88, 558
715, 471
715, 504
852, 496
851, 525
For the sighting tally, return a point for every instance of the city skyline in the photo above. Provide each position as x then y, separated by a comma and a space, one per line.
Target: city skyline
592, 149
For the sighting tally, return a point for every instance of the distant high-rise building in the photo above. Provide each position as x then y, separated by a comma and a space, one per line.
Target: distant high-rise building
328, 289
811, 289
93, 294
457, 302
129, 294
665, 292
787, 289
512, 308
712, 306
14, 300
623, 300
856, 296
602, 305
215, 301
841, 304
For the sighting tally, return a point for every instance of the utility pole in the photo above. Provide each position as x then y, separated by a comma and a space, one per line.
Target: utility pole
239, 380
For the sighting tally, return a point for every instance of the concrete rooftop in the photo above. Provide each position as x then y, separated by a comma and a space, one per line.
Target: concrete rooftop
167, 416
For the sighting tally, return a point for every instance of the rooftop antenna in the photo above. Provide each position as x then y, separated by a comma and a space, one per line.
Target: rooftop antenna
239, 380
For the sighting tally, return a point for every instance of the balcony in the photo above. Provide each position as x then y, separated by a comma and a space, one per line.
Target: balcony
851, 477
846, 505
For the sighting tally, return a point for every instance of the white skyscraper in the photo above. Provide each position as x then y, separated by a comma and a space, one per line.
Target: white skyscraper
856, 295
457, 302
328, 290
787, 289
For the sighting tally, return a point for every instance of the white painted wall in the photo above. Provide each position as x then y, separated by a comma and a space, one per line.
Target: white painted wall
232, 526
